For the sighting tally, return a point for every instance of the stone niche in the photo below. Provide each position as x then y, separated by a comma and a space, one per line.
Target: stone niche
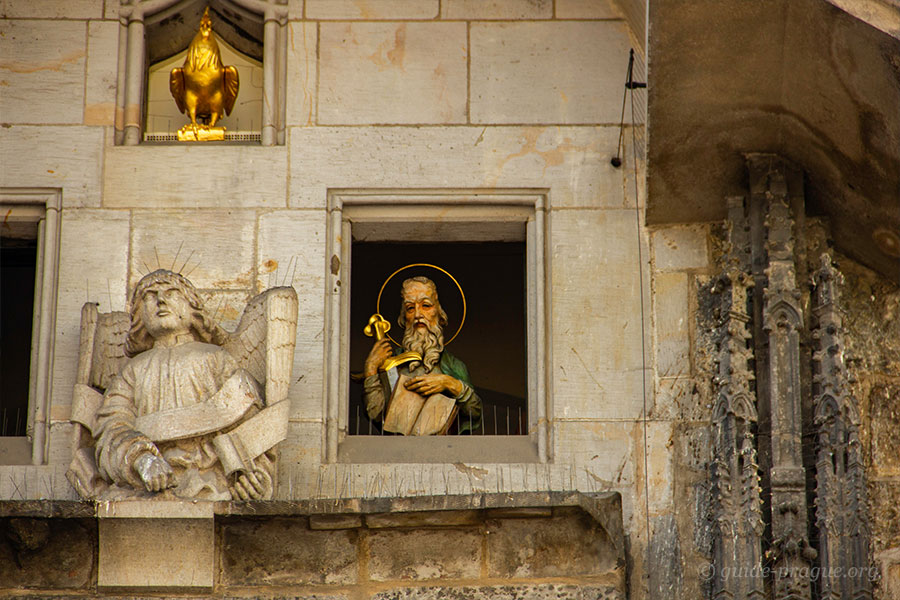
565, 546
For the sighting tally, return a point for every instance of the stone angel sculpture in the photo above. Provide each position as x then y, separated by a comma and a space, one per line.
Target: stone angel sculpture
168, 404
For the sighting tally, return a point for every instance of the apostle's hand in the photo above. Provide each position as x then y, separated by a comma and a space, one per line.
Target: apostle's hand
155, 472
435, 383
252, 485
381, 351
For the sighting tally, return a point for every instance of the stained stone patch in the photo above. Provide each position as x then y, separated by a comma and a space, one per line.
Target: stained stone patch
46, 553
405, 72
285, 552
423, 554
884, 425
569, 544
884, 502
547, 72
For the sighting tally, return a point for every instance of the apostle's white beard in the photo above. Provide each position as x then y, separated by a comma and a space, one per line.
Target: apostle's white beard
428, 343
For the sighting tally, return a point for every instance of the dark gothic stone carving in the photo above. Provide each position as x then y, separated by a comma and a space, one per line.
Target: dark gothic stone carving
764, 407
840, 480
782, 315
737, 508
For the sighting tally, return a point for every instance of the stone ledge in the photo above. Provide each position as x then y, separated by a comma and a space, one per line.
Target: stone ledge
604, 507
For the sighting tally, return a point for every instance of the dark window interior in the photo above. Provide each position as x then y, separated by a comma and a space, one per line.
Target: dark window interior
492, 341
17, 267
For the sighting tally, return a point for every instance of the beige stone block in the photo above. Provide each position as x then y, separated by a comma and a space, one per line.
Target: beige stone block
587, 9
497, 9
370, 10
155, 554
226, 308
602, 451
573, 162
217, 245
392, 73
422, 554
670, 311
291, 251
660, 460
552, 72
195, 176
70, 158
36, 483
674, 399
300, 456
60, 446
42, 71
155, 508
597, 313
93, 267
53, 9
680, 247
301, 73
102, 64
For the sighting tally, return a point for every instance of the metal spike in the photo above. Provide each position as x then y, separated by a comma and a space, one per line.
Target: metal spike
194, 268
176, 255
186, 261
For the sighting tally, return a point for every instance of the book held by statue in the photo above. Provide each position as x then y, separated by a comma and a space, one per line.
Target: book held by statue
410, 413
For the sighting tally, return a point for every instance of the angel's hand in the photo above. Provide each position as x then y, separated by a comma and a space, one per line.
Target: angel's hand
154, 471
252, 485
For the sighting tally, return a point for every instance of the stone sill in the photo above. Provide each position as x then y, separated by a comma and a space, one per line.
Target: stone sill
502, 449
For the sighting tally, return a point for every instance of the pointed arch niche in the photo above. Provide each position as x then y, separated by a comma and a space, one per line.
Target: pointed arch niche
155, 33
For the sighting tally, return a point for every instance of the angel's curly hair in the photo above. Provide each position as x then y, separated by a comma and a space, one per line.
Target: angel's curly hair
202, 326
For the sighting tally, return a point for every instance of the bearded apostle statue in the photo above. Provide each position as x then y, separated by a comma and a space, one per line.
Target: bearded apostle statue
420, 390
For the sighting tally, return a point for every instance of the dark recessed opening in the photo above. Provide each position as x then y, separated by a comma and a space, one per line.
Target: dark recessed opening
492, 341
18, 259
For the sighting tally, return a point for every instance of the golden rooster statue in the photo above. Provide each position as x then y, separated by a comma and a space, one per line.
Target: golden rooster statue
203, 86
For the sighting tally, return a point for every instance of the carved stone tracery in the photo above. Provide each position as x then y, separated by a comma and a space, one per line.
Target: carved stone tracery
765, 432
737, 508
840, 479
791, 553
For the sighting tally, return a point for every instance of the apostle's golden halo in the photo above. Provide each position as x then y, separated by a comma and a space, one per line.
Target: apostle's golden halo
445, 272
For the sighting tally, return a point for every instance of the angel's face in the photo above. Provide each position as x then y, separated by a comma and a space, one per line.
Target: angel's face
165, 311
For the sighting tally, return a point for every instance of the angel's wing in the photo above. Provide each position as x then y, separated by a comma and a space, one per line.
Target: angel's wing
263, 343
232, 83
176, 86
102, 349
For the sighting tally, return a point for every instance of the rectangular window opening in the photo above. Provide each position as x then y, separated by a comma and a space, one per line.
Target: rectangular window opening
493, 243
18, 261
491, 343
29, 261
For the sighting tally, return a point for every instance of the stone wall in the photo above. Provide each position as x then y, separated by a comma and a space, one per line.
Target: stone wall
436, 94
679, 437
872, 320
870, 307
509, 551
